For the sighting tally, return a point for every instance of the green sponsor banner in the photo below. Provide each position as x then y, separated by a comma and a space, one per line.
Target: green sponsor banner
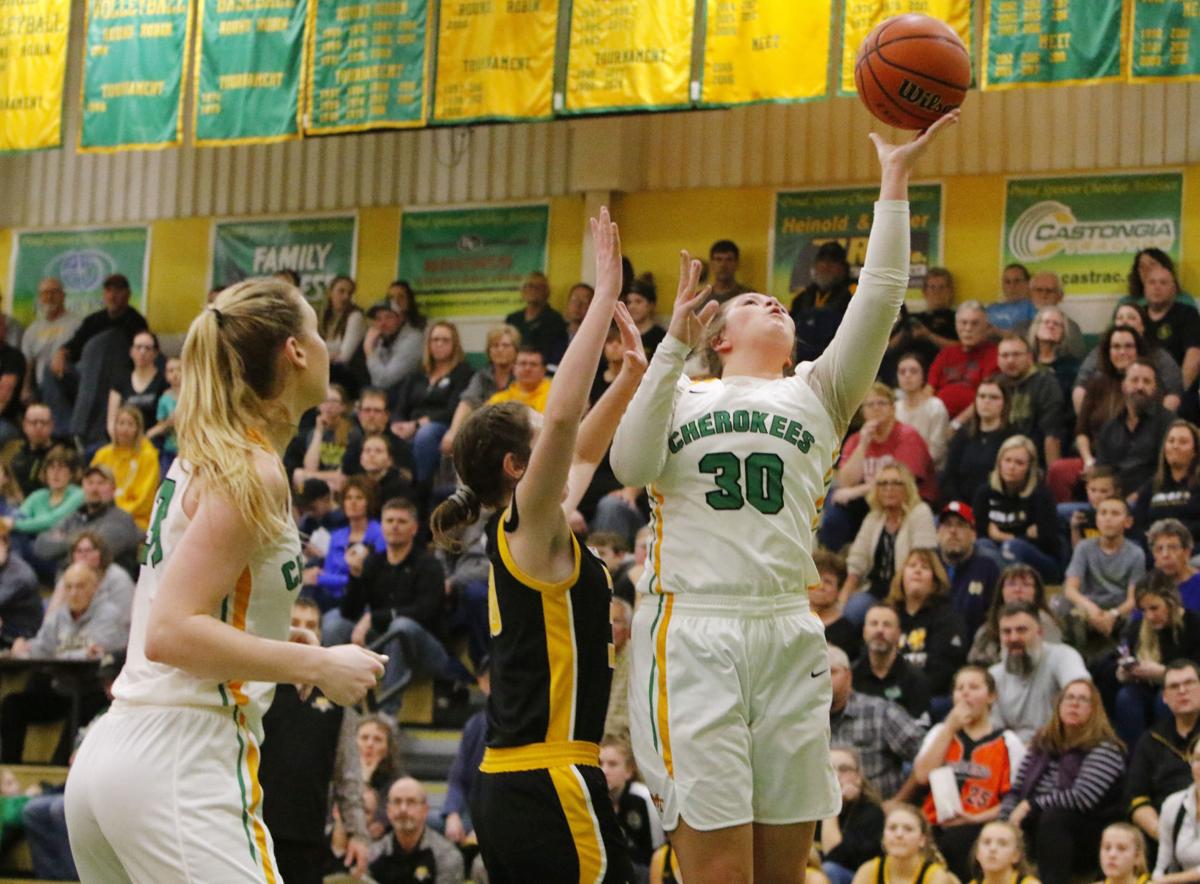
133, 73
807, 219
1165, 40
1088, 229
318, 249
248, 61
81, 259
471, 262
368, 65
1030, 42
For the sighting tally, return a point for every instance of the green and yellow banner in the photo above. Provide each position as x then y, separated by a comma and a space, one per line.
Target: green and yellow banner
33, 62
367, 65
495, 60
859, 18
249, 57
633, 55
317, 248
1051, 42
1164, 40
765, 50
133, 61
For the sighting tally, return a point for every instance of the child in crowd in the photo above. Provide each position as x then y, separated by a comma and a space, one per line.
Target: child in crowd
1123, 855
631, 801
1000, 856
1100, 482
1098, 591
134, 462
165, 418
909, 852
613, 550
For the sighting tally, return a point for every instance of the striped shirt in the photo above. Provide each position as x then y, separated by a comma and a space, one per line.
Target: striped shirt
1101, 769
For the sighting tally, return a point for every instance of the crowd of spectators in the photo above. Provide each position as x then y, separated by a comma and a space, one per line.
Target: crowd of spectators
1005, 555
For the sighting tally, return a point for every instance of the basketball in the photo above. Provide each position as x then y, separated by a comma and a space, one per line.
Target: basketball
912, 69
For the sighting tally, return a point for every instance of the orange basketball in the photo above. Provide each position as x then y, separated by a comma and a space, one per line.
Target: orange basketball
911, 69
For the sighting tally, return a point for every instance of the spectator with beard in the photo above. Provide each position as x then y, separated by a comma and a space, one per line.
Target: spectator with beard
1017, 583
884, 672
1131, 441
1031, 673
37, 428
972, 575
413, 852
819, 306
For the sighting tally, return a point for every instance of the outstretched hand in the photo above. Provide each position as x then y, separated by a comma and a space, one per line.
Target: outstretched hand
688, 323
907, 154
634, 359
607, 241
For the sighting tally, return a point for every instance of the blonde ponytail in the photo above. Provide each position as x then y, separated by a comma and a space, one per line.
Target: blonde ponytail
229, 367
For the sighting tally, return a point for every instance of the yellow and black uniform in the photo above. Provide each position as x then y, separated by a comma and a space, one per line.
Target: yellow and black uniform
541, 808
1015, 878
929, 869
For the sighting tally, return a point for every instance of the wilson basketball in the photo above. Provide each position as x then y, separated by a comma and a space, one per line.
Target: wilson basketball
911, 69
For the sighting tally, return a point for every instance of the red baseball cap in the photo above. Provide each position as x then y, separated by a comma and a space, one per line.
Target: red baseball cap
960, 509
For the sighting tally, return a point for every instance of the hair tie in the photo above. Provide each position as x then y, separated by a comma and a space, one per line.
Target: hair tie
465, 497
220, 317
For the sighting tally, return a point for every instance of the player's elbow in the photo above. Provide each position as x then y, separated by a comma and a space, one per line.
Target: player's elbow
162, 643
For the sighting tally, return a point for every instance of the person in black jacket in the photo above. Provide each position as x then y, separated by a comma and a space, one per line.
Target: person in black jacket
971, 453
1014, 512
852, 837
394, 600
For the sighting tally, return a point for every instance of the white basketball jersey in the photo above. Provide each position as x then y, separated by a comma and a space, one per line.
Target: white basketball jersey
735, 509
259, 604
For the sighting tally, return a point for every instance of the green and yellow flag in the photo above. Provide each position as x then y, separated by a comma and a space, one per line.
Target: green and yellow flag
1164, 41
1051, 42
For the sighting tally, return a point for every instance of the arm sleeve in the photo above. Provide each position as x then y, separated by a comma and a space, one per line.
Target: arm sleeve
1100, 769
1166, 834
1052, 416
1139, 781
137, 498
1046, 519
939, 430
924, 531
352, 338
902, 733
639, 448
458, 781
51, 516
354, 602
842, 374
1013, 798
1170, 375
858, 560
334, 572
347, 781
429, 584
43, 644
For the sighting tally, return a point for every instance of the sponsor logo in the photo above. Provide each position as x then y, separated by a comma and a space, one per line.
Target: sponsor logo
1050, 228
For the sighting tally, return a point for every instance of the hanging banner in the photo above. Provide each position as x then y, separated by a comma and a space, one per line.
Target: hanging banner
133, 63
765, 50
495, 61
471, 262
80, 259
367, 69
1165, 41
33, 62
634, 55
1088, 229
1051, 42
807, 219
249, 57
317, 248
859, 18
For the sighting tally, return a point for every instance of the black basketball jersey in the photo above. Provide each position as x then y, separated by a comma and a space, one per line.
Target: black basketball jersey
552, 652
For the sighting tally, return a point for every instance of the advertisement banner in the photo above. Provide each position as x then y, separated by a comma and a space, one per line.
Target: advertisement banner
634, 55
1087, 229
1051, 42
81, 259
765, 50
249, 55
859, 18
471, 262
807, 219
33, 63
133, 61
1165, 41
368, 65
317, 248
495, 61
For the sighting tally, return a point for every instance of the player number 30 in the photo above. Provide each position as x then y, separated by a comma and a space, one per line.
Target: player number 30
758, 481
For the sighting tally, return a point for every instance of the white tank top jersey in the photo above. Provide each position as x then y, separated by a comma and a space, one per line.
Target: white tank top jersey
259, 604
738, 469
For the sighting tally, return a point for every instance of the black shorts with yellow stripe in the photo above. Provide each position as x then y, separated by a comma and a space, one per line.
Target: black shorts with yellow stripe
550, 825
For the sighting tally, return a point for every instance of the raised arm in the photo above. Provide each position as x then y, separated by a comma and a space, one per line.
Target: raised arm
847, 368
639, 450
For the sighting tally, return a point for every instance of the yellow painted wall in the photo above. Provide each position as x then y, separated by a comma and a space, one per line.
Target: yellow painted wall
6, 244
178, 272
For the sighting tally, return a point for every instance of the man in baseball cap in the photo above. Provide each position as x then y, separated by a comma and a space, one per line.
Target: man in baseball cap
973, 576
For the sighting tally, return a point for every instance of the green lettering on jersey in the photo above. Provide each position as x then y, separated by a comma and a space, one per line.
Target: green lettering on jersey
293, 574
151, 551
758, 422
722, 422
690, 434
706, 425
675, 443
777, 425
741, 421
793, 432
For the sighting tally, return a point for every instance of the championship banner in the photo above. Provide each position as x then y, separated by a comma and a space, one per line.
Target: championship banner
33, 63
1088, 229
495, 61
635, 55
1051, 42
765, 50
249, 57
367, 65
1165, 41
81, 259
859, 18
133, 61
471, 262
317, 248
807, 219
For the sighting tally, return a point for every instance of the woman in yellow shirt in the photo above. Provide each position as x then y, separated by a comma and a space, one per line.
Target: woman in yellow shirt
134, 462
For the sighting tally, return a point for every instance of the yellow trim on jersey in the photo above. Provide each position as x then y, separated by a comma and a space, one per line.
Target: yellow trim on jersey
563, 661
539, 756
533, 582
581, 818
241, 604
660, 652
657, 498
260, 831
495, 624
